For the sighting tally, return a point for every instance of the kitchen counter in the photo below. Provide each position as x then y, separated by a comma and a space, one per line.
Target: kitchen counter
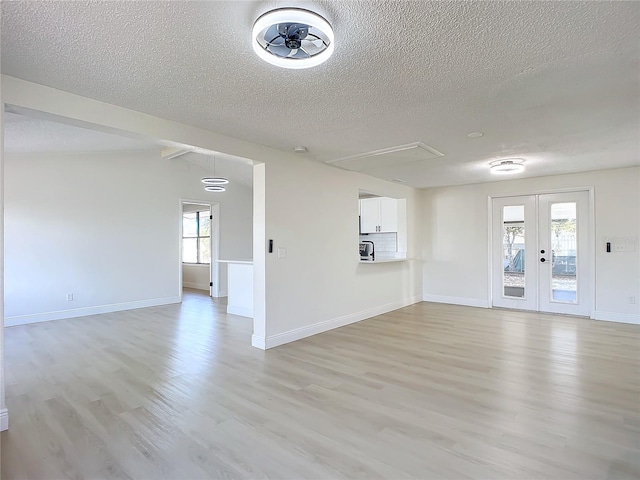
384, 260
387, 257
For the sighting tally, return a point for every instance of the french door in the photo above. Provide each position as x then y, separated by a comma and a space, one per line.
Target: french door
540, 253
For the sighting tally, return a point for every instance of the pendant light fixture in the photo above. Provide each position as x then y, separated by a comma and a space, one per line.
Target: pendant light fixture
215, 184
214, 188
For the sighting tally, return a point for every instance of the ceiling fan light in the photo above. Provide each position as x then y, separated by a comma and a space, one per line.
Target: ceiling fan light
322, 32
507, 167
215, 181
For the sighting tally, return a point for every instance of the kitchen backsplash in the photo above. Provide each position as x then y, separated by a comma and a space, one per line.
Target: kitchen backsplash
384, 242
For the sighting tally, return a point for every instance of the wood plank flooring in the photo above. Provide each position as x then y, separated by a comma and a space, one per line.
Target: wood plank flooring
429, 391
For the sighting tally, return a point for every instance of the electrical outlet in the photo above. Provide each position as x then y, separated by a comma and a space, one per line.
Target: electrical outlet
282, 252
69, 297
632, 300
619, 247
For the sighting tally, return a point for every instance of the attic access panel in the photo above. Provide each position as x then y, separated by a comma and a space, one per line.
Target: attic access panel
388, 157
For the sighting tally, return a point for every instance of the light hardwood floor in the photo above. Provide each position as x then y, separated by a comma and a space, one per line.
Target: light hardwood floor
429, 391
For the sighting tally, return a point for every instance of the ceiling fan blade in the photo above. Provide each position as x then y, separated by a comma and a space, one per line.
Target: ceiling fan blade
279, 50
271, 32
300, 53
315, 38
278, 41
311, 47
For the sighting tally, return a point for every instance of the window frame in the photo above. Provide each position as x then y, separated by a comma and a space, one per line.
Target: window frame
198, 237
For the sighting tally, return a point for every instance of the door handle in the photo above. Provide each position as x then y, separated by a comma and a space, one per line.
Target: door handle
543, 260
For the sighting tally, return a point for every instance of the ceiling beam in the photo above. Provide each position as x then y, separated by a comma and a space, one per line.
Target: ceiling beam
171, 152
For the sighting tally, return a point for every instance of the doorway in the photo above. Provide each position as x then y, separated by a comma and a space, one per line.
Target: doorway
541, 256
199, 247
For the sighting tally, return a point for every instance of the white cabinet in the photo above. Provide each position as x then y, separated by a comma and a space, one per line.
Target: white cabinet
369, 215
378, 215
388, 215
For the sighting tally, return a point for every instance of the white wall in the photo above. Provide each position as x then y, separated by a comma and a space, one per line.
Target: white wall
4, 415
455, 248
104, 227
196, 276
236, 225
312, 211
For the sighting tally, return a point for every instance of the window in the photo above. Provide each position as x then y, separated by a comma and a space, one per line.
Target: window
196, 237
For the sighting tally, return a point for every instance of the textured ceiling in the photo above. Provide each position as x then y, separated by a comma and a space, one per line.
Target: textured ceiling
556, 83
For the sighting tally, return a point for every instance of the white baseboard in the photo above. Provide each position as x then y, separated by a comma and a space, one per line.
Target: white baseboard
468, 302
4, 420
320, 327
222, 293
617, 317
258, 342
196, 286
82, 312
238, 310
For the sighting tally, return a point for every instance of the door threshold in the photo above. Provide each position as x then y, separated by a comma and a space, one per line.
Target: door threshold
540, 311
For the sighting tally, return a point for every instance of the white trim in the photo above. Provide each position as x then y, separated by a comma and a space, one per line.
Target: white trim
592, 247
258, 342
490, 252
222, 293
242, 311
545, 191
4, 420
633, 318
81, 312
592, 237
468, 302
214, 272
320, 327
197, 286
214, 268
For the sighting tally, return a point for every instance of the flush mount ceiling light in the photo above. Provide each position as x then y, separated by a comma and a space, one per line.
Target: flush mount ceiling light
292, 38
508, 166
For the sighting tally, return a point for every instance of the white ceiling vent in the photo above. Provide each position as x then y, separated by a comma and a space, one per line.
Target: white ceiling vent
388, 157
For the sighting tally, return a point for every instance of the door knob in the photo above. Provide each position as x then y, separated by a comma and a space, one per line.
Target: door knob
541, 251
542, 260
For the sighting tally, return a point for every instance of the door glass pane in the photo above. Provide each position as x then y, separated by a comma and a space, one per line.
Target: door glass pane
204, 252
513, 250
564, 285
205, 225
189, 225
189, 250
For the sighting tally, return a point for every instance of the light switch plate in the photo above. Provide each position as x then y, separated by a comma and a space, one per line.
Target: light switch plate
282, 252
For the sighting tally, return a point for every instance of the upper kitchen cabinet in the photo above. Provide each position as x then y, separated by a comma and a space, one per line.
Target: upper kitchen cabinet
378, 215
